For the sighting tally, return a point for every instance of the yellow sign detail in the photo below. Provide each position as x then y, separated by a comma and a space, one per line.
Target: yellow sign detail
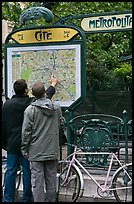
44, 35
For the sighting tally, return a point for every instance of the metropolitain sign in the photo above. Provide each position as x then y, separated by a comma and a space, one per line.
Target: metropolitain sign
107, 23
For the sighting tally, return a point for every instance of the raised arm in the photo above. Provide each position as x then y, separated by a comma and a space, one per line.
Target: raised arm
51, 89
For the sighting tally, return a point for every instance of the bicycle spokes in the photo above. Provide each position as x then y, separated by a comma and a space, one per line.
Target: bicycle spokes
122, 183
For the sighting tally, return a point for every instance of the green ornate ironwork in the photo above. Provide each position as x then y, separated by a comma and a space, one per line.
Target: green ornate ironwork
126, 134
129, 125
96, 136
35, 13
97, 133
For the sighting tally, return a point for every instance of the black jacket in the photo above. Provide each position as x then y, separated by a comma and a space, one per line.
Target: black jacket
12, 119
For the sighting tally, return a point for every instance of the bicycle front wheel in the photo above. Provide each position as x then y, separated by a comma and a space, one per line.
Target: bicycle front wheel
69, 187
122, 182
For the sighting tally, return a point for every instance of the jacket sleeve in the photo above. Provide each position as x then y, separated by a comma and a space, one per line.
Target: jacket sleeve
50, 92
59, 115
4, 137
27, 127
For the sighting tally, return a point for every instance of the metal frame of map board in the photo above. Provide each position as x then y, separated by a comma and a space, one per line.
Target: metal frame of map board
74, 51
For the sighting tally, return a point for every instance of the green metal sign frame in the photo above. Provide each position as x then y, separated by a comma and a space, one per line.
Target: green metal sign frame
81, 42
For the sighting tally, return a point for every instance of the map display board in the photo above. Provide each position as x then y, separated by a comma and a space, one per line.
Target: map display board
34, 63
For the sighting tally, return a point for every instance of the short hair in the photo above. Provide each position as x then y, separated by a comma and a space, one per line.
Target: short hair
38, 89
19, 86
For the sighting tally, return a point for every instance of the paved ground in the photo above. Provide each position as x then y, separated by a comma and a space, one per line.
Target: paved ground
82, 199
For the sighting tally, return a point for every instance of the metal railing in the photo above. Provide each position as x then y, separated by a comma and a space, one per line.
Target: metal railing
101, 132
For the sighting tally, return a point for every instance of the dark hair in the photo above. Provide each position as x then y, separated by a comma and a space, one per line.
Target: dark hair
19, 86
38, 89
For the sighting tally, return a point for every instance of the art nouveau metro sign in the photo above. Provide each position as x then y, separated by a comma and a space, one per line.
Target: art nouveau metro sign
43, 35
106, 23
35, 53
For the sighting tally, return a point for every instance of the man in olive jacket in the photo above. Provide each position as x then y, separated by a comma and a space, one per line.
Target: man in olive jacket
12, 119
40, 141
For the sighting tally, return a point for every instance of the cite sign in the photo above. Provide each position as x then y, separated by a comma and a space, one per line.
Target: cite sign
44, 35
107, 23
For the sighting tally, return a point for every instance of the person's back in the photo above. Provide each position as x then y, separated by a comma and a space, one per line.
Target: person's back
12, 119
40, 141
13, 111
44, 118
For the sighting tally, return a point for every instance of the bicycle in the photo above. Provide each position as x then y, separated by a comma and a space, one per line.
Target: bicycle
18, 176
71, 182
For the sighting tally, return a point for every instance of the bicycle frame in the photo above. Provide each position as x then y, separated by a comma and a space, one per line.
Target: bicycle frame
106, 187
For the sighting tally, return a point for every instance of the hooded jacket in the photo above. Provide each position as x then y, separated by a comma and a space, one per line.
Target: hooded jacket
40, 130
12, 119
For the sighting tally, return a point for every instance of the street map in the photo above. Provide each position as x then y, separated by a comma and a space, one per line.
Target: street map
34, 65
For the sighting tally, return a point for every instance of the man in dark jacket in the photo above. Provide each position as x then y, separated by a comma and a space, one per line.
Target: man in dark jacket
12, 119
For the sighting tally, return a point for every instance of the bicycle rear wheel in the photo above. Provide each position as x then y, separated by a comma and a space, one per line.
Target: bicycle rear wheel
123, 181
68, 189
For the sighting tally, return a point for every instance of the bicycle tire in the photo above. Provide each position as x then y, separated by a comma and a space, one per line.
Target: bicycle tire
121, 179
70, 190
